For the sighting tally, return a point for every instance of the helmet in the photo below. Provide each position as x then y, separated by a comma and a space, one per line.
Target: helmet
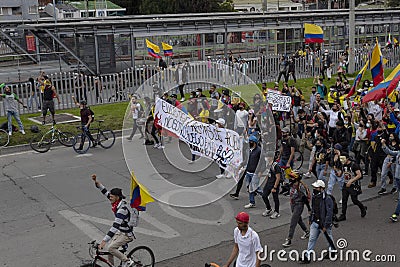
243, 217
294, 175
83, 102
253, 138
34, 129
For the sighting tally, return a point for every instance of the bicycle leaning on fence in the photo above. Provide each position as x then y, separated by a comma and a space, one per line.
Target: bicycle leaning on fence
141, 256
42, 143
104, 137
4, 138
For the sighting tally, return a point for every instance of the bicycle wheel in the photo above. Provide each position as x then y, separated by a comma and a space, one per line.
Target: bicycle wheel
142, 256
4, 138
298, 160
106, 138
66, 138
81, 143
41, 143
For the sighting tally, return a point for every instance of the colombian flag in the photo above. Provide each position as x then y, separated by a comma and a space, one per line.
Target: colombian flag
168, 51
313, 33
152, 49
376, 64
384, 88
139, 195
358, 79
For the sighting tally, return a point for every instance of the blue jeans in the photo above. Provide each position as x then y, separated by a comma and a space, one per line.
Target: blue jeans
283, 162
14, 114
34, 97
385, 171
314, 234
333, 179
397, 183
319, 168
252, 182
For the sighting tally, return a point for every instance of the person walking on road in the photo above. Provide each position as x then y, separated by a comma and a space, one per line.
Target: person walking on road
120, 233
87, 117
11, 101
352, 185
272, 186
320, 219
247, 244
299, 196
136, 114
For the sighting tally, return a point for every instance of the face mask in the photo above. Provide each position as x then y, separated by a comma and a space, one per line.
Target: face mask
316, 192
368, 125
318, 146
391, 138
297, 93
8, 92
197, 93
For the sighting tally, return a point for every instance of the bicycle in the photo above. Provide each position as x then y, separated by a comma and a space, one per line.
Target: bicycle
141, 256
297, 159
4, 138
42, 143
105, 138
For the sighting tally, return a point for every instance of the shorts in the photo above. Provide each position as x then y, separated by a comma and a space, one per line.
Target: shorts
48, 104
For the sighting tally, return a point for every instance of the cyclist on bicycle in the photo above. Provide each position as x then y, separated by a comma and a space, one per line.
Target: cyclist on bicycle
120, 233
86, 120
288, 147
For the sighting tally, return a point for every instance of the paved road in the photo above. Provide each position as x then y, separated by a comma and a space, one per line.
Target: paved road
50, 209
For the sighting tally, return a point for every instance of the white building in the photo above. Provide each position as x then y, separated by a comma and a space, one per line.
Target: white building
19, 10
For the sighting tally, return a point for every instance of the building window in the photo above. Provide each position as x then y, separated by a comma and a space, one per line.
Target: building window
33, 10
16, 11
68, 15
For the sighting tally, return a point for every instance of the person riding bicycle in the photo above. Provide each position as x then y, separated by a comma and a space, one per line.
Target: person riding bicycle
120, 233
86, 120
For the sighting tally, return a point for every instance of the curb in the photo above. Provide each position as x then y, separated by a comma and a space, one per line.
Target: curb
26, 147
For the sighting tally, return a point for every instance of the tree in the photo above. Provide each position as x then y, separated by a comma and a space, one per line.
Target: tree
393, 3
182, 6
132, 6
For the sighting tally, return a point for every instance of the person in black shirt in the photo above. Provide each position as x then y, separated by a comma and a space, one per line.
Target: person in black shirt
352, 176
86, 120
288, 146
272, 186
49, 93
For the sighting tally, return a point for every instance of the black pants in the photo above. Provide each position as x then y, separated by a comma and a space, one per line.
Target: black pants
293, 75
240, 184
376, 163
180, 87
266, 191
134, 128
154, 133
284, 76
346, 192
297, 210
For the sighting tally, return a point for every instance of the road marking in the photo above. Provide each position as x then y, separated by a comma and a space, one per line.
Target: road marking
78, 219
37, 176
84, 155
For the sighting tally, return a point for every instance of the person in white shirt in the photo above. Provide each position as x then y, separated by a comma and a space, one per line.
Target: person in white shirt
135, 111
334, 116
241, 117
375, 109
247, 244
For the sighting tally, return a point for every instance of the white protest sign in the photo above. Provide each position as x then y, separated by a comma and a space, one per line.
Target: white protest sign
219, 144
279, 102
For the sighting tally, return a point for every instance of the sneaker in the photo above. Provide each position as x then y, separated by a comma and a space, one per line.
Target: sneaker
43, 122
306, 235
219, 176
9, 133
307, 175
287, 243
22, 131
275, 215
54, 122
129, 138
191, 162
341, 218
340, 201
267, 212
94, 144
370, 185
250, 205
128, 263
141, 137
161, 147
382, 191
393, 191
234, 196
156, 145
364, 212
365, 173
182, 99
394, 218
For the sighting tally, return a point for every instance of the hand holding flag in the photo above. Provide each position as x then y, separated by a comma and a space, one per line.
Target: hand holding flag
139, 195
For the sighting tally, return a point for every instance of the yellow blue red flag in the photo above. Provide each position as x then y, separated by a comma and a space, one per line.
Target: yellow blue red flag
139, 194
153, 49
168, 49
376, 65
357, 80
313, 33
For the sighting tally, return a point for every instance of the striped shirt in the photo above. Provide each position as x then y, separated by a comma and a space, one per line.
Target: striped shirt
121, 218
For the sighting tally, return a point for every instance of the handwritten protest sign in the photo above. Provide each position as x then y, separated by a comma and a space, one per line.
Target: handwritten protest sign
224, 146
279, 102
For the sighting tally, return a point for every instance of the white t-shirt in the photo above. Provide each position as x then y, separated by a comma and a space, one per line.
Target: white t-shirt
135, 111
248, 245
241, 118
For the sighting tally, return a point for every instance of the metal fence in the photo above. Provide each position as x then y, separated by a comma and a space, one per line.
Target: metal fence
117, 87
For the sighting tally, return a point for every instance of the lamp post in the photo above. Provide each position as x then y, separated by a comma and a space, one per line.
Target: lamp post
352, 28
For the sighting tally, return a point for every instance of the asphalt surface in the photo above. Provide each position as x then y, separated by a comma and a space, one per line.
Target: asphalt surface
50, 209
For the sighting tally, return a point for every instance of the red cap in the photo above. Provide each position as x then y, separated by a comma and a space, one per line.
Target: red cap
243, 217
